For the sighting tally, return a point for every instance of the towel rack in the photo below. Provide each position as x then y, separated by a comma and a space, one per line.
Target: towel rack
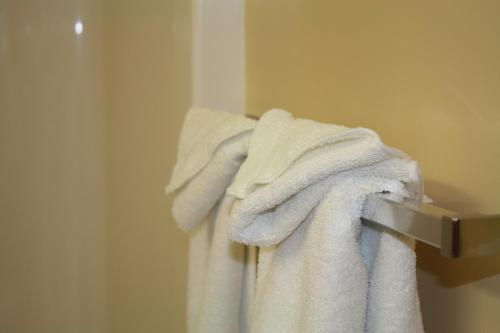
455, 234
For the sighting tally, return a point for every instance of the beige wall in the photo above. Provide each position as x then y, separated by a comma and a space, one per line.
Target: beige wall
88, 129
149, 94
426, 76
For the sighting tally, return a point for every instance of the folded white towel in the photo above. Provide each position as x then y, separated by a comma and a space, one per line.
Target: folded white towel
301, 192
211, 148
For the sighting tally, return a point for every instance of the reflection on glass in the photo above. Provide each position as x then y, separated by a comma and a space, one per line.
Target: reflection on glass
78, 27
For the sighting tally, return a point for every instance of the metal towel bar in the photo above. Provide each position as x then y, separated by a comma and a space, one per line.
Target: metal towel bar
455, 234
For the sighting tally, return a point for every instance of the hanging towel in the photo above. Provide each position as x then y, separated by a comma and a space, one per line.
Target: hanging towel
212, 146
300, 194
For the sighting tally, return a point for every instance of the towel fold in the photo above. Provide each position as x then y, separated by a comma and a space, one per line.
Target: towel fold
300, 194
212, 146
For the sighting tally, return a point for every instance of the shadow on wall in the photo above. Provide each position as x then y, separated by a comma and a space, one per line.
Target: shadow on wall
456, 272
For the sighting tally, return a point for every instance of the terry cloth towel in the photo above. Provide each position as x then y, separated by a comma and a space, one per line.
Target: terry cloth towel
301, 192
212, 146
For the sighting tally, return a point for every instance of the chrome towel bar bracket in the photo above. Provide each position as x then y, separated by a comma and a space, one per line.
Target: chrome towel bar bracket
457, 235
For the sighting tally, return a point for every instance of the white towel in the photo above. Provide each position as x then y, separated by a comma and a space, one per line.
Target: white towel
301, 192
211, 148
